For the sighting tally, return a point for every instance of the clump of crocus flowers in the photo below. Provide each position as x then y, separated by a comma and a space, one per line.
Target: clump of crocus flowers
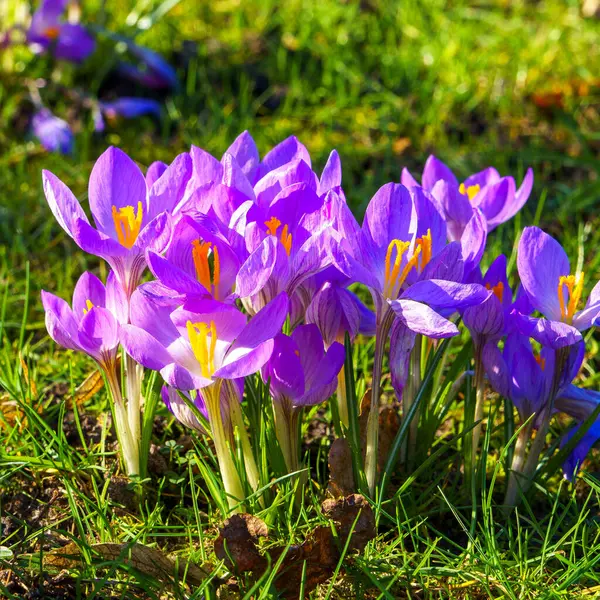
260, 274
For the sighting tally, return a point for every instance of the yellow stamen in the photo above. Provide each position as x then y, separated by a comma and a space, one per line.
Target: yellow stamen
392, 271
202, 349
574, 285
498, 290
89, 306
273, 225
127, 224
540, 361
470, 191
52, 32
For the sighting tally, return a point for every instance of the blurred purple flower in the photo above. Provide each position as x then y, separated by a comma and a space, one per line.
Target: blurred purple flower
54, 134
66, 41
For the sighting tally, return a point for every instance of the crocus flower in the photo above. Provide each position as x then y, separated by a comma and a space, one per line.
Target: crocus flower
200, 345
527, 378
201, 342
300, 373
47, 31
153, 71
495, 196
198, 263
54, 134
554, 291
129, 217
410, 270
575, 459
283, 253
130, 108
92, 324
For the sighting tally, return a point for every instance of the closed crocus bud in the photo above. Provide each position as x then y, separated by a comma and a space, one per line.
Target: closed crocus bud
334, 310
486, 319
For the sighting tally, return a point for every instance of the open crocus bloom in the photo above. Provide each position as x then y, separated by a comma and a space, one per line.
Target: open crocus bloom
198, 263
283, 253
496, 197
409, 267
92, 324
68, 41
554, 291
129, 217
195, 345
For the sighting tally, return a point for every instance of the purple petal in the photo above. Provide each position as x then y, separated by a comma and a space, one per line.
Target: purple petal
116, 299
420, 318
74, 43
553, 334
95, 242
402, 341
156, 235
144, 348
99, 333
324, 380
169, 189
496, 369
407, 180
442, 294
154, 172
235, 178
63, 204
88, 288
332, 173
473, 241
285, 152
60, 322
447, 264
207, 169
434, 171
245, 152
541, 262
115, 181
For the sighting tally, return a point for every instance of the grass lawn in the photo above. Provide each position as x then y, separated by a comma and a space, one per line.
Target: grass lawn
508, 84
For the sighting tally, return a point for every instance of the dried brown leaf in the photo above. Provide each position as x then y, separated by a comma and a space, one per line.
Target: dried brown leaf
341, 476
150, 561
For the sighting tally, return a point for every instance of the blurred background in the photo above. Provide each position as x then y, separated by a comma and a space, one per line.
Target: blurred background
505, 83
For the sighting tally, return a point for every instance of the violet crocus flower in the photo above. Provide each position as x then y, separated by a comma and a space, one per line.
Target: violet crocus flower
129, 217
496, 197
283, 253
54, 134
153, 71
202, 346
48, 31
300, 373
92, 324
198, 263
553, 291
130, 108
575, 459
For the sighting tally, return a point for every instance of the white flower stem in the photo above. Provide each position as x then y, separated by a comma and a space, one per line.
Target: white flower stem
231, 478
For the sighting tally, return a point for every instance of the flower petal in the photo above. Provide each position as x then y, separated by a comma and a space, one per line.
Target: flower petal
63, 204
420, 318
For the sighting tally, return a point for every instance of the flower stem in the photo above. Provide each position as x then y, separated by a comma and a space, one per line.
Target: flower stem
516, 468
231, 478
129, 450
286, 430
372, 449
237, 420
479, 399
342, 398
414, 383
133, 382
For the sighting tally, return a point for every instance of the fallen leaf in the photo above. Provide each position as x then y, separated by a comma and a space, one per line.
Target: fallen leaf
341, 476
150, 561
237, 543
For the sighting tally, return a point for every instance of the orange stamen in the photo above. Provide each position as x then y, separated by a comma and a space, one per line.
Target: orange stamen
498, 290
200, 252
574, 285
273, 224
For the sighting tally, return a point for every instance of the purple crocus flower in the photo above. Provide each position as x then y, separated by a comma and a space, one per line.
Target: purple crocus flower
407, 264
92, 324
201, 342
300, 373
554, 291
47, 31
130, 108
527, 378
198, 263
129, 217
54, 134
283, 253
154, 71
496, 197
575, 459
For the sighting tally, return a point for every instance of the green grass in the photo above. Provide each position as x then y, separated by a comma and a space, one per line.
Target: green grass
386, 84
